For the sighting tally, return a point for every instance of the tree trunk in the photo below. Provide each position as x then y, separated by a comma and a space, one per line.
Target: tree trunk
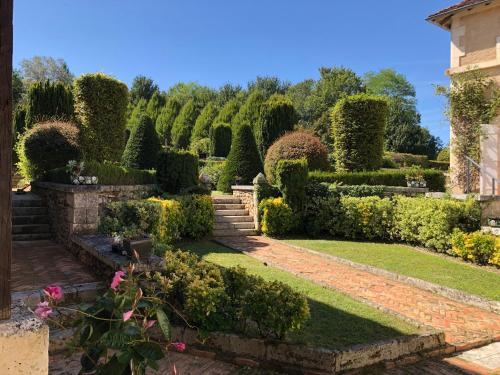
6, 12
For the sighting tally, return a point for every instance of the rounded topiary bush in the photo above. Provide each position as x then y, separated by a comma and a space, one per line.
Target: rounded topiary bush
47, 146
143, 145
220, 140
296, 145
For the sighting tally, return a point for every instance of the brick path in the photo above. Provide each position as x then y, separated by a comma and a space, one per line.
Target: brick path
462, 324
36, 264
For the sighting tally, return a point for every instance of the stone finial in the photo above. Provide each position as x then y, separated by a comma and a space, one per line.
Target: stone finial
260, 179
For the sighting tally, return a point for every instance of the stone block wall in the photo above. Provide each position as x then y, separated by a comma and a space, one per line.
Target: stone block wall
75, 209
248, 198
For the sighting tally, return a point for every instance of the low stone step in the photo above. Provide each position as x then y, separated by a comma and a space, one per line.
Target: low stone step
241, 225
27, 200
30, 228
234, 232
229, 206
32, 219
233, 219
28, 211
31, 237
231, 213
226, 200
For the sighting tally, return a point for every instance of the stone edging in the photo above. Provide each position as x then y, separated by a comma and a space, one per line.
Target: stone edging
453, 294
90, 188
242, 187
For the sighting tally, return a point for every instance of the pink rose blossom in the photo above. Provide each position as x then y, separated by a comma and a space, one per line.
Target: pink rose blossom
117, 279
43, 310
179, 346
54, 292
149, 323
127, 315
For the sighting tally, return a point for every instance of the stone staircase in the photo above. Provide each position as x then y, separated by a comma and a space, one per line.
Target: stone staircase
231, 218
30, 219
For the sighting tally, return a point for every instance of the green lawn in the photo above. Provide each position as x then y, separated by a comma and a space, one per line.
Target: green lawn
336, 320
411, 262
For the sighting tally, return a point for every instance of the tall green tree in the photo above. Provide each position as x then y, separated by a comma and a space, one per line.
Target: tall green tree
250, 110
143, 146
227, 112
183, 92
155, 105
137, 112
183, 125
43, 68
268, 86
166, 119
18, 88
204, 122
142, 88
227, 92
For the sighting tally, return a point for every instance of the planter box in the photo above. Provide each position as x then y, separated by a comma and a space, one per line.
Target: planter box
142, 246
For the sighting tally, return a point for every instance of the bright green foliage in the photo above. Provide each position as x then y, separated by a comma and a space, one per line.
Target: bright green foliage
477, 247
220, 140
277, 218
408, 160
214, 169
430, 222
250, 110
200, 213
155, 104
296, 145
227, 112
291, 179
358, 125
47, 146
19, 121
204, 122
243, 162
444, 155
227, 92
100, 108
183, 125
201, 147
142, 146
48, 101
166, 119
277, 116
177, 170
435, 179
268, 86
137, 111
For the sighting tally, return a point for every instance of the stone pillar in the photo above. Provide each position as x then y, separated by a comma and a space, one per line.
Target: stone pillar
259, 180
490, 148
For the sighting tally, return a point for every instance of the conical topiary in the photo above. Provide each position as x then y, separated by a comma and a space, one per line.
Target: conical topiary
166, 119
183, 125
243, 162
143, 145
204, 122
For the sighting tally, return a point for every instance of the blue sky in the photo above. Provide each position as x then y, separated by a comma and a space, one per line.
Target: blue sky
218, 41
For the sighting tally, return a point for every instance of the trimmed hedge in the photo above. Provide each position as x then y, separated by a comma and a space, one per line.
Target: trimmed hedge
142, 146
408, 160
477, 247
213, 169
100, 109
435, 179
296, 145
204, 122
183, 125
277, 218
166, 119
441, 165
177, 170
220, 140
228, 111
291, 178
358, 126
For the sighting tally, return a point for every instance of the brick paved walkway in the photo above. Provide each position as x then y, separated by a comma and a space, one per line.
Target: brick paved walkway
463, 325
36, 264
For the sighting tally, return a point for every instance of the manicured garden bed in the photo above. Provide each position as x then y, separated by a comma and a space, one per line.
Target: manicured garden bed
411, 262
336, 320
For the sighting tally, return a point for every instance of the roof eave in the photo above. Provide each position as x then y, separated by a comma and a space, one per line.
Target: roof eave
442, 19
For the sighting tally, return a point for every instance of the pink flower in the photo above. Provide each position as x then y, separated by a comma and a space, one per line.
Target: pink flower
127, 315
117, 279
43, 310
179, 346
54, 292
149, 323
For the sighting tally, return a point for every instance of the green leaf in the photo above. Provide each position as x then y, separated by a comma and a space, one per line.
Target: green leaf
125, 357
149, 350
164, 323
86, 334
113, 367
115, 340
90, 358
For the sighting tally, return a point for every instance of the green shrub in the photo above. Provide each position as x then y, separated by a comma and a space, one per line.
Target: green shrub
200, 215
321, 213
296, 145
171, 220
177, 170
291, 178
214, 169
358, 125
48, 101
249, 111
430, 222
476, 247
154, 106
100, 108
277, 116
408, 160
47, 146
131, 215
387, 162
220, 140
444, 155
441, 165
201, 147
166, 119
227, 112
276, 217
264, 191
435, 179
138, 111
183, 125
243, 161
143, 146
204, 122
358, 191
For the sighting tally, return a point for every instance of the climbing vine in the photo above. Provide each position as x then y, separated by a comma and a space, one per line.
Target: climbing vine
473, 100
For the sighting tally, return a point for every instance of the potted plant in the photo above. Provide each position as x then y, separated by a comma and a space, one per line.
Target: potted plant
415, 177
75, 170
137, 244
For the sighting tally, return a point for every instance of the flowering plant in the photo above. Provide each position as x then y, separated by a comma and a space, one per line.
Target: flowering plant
114, 334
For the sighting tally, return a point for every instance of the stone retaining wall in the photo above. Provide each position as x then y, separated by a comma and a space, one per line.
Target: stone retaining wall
248, 198
75, 209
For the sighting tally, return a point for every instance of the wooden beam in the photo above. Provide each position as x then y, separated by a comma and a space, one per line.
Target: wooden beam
6, 14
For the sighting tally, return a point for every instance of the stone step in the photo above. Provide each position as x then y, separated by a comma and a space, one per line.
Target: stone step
31, 237
28, 211
231, 213
241, 225
32, 219
234, 232
233, 219
27, 200
30, 228
229, 206
226, 200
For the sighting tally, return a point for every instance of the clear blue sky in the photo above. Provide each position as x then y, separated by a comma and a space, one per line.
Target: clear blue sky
218, 41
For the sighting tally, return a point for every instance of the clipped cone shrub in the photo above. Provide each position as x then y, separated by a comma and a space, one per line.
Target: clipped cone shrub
220, 140
143, 145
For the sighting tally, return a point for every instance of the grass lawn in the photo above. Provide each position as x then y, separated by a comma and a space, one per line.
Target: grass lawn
411, 262
336, 320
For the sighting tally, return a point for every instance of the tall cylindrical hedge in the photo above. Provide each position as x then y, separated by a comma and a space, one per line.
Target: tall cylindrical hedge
142, 146
358, 125
227, 112
100, 109
220, 140
48, 101
204, 122
166, 119
183, 125
277, 116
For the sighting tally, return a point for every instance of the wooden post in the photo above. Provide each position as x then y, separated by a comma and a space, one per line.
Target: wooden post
6, 13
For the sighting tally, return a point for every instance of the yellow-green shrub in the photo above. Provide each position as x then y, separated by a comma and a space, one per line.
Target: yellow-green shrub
171, 220
476, 247
276, 216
